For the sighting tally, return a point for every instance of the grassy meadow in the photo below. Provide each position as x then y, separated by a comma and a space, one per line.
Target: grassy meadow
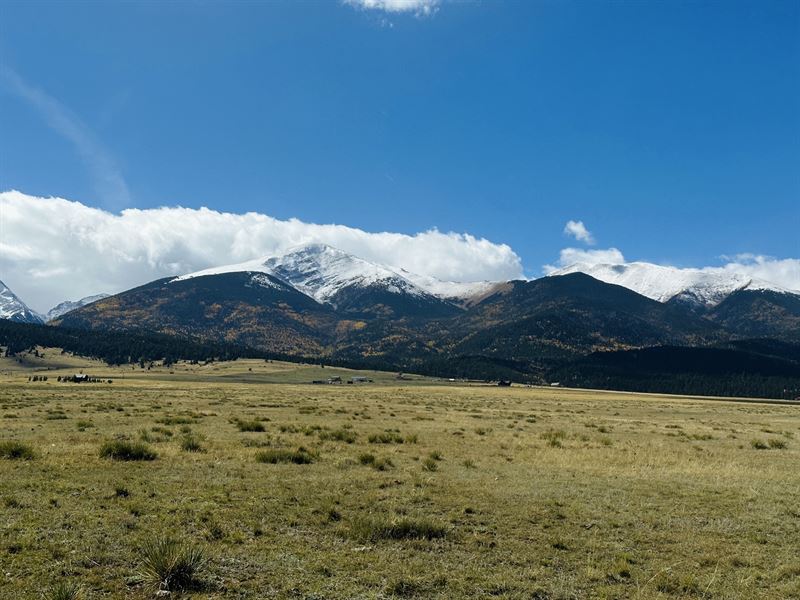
241, 480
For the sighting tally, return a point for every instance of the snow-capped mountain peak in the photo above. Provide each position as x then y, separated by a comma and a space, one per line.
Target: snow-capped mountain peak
321, 271
68, 305
14, 309
705, 287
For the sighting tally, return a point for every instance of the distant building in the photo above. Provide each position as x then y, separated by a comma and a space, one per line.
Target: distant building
360, 380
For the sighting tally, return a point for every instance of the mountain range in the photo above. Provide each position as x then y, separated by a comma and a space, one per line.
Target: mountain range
319, 302
14, 309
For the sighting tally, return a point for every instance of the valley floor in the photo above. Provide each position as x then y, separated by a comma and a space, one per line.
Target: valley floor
414, 489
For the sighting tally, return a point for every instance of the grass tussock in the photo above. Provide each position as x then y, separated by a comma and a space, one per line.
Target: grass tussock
406, 528
429, 464
275, 456
170, 565
554, 437
338, 435
391, 437
192, 443
64, 590
377, 463
14, 450
250, 425
128, 451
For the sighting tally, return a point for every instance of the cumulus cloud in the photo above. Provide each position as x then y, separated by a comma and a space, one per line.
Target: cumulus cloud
52, 249
578, 230
570, 256
108, 180
784, 272
417, 7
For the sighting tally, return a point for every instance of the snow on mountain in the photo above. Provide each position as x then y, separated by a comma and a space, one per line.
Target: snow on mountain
14, 309
703, 287
448, 290
321, 272
251, 266
68, 305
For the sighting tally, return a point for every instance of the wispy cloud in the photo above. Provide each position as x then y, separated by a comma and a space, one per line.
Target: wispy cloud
578, 230
420, 8
106, 174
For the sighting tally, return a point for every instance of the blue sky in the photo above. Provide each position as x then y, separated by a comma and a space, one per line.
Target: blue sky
671, 129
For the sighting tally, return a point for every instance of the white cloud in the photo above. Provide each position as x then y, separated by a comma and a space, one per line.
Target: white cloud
570, 256
784, 272
578, 230
53, 249
418, 7
108, 180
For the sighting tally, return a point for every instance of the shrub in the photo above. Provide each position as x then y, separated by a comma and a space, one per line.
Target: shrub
170, 565
759, 444
373, 530
275, 456
253, 425
14, 450
63, 590
124, 450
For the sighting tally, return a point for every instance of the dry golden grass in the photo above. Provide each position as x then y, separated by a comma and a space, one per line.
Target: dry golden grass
506, 492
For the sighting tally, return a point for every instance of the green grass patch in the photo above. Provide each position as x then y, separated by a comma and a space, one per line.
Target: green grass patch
128, 451
275, 456
406, 528
250, 426
14, 450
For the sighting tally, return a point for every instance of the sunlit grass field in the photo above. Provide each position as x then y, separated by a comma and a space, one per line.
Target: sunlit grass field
391, 489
